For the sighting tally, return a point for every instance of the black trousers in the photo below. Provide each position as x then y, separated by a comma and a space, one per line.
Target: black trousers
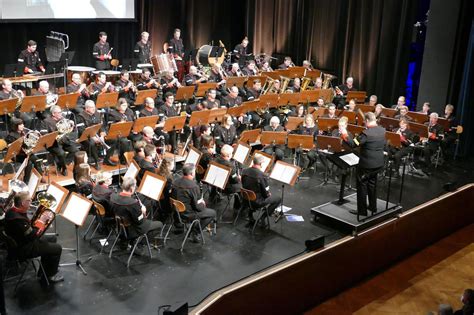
48, 249
205, 216
272, 201
367, 186
59, 151
278, 150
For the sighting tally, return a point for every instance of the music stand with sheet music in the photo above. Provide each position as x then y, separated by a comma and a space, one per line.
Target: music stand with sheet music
241, 152
142, 122
345, 161
8, 107
33, 182
217, 175
250, 136
33, 104
293, 123
76, 211
267, 160
287, 174
13, 150
174, 124
116, 131
152, 185
143, 94
193, 157
199, 118
132, 170
185, 93
59, 193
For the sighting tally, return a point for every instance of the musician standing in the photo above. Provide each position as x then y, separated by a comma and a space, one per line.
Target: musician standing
142, 49
371, 160
240, 52
30, 59
29, 245
102, 53
176, 45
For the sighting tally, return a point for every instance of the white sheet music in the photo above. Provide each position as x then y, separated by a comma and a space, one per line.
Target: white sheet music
33, 183
265, 163
192, 157
76, 209
216, 176
21, 169
351, 159
152, 187
132, 171
241, 153
58, 194
283, 173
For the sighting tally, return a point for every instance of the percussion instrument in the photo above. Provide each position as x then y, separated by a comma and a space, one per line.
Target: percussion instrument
84, 72
164, 63
208, 55
134, 75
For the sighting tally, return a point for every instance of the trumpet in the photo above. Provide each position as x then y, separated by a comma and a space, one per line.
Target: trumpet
44, 216
101, 141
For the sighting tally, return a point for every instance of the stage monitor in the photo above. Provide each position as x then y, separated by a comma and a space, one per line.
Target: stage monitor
37, 10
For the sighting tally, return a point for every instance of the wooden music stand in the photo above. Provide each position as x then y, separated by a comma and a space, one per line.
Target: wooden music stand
175, 123
152, 185
327, 124
389, 112
273, 137
320, 112
253, 106
269, 100
419, 118
313, 74
193, 157
289, 99
241, 152
250, 80
217, 175
33, 182
13, 150
143, 94
132, 170
68, 101
309, 96
58, 192
389, 123
419, 129
444, 123
199, 118
119, 130
327, 95
354, 129
296, 72
351, 116
358, 96
185, 93
142, 122
393, 139
365, 108
45, 141
203, 87
89, 132
8, 107
300, 141
293, 123
237, 111
33, 104
275, 75
250, 136
267, 163
106, 100
236, 81
217, 114
285, 173
332, 144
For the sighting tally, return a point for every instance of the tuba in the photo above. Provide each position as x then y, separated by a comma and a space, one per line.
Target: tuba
285, 81
305, 82
30, 141
43, 216
64, 127
327, 80
16, 187
267, 86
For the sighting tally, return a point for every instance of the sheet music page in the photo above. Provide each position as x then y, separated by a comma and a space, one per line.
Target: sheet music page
351, 159
32, 183
152, 187
57, 193
192, 157
132, 171
283, 173
21, 169
241, 154
216, 176
76, 210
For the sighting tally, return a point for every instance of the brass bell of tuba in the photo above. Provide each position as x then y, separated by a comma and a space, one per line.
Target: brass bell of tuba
43, 216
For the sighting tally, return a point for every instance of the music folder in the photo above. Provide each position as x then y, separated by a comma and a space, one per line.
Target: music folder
132, 170
241, 152
152, 185
217, 175
193, 157
285, 173
33, 182
58, 192
76, 209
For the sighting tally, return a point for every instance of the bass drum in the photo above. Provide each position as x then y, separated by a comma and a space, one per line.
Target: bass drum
204, 57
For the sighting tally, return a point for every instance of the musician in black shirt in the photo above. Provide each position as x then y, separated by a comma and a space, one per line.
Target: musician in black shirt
142, 49
146, 81
225, 133
76, 86
31, 59
102, 53
240, 52
435, 135
277, 149
176, 46
341, 92
309, 128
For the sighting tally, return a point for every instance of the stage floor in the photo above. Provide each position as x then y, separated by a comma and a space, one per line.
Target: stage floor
232, 254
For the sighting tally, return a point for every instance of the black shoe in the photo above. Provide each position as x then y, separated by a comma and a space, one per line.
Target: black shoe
97, 166
250, 223
195, 238
357, 213
373, 211
109, 162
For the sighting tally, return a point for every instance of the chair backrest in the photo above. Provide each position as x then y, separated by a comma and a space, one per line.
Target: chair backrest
114, 63
178, 205
200, 170
100, 209
248, 194
129, 156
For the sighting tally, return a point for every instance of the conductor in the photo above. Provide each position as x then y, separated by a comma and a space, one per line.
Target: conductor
371, 142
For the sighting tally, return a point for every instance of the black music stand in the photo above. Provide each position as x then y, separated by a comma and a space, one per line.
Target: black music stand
13, 70
117, 131
332, 145
337, 159
287, 174
300, 142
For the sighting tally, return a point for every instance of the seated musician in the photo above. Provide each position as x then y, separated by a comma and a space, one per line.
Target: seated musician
51, 98
80, 157
341, 92
139, 147
212, 102
403, 110
225, 133
233, 184
101, 192
217, 75
331, 112
151, 110
146, 81
318, 83
194, 77
253, 93
121, 112
165, 170
234, 71
76, 86
240, 52
198, 132
373, 100
148, 163
89, 117
101, 85
8, 92
307, 65
299, 112
130, 210
296, 87
400, 102
125, 87
287, 63
450, 135
232, 99
309, 128
255, 180
251, 69
275, 149
186, 190
142, 50
320, 102
266, 66
351, 106
168, 109
379, 111
31, 59
84, 184
426, 109
17, 130
102, 53
64, 143
208, 149
435, 135
406, 138
28, 245
169, 83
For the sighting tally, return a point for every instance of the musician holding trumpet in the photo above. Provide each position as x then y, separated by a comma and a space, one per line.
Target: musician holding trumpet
29, 241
